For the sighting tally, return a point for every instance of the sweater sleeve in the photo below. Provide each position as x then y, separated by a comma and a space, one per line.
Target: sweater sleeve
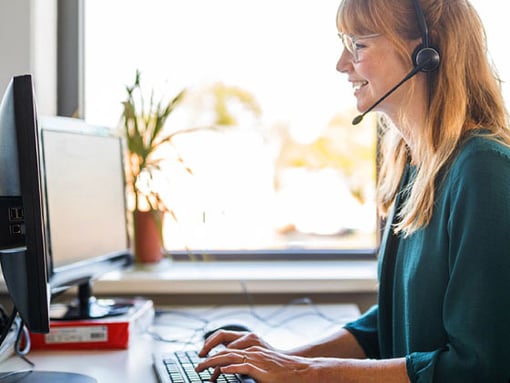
365, 331
476, 309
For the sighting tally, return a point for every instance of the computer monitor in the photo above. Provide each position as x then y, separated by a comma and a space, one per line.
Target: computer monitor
86, 211
23, 244
62, 212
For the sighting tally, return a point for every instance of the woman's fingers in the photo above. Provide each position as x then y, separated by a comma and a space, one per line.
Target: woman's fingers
248, 340
233, 340
220, 337
265, 366
223, 358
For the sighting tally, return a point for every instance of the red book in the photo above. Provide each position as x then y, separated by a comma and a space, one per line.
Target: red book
104, 333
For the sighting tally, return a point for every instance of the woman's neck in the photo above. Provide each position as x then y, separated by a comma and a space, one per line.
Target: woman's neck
411, 124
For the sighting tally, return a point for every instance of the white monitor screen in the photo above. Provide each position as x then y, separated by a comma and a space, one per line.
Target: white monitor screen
85, 195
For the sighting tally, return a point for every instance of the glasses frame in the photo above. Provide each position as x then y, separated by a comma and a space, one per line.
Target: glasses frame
349, 41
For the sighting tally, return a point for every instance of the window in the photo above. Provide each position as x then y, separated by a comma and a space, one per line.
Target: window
298, 177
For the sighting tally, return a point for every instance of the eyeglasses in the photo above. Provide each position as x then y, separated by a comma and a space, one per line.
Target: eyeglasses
350, 43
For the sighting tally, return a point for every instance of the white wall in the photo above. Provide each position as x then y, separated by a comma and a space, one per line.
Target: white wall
28, 44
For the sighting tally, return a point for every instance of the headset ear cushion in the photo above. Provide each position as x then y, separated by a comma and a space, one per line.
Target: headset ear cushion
427, 58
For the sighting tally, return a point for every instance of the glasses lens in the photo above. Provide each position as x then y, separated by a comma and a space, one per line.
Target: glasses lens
348, 42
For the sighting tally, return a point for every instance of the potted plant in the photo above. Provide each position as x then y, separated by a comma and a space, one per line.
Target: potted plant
143, 126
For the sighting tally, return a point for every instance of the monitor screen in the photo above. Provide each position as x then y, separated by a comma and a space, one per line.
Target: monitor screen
84, 189
86, 208
84, 180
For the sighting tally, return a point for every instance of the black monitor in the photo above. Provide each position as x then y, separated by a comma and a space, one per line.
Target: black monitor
62, 212
86, 212
22, 236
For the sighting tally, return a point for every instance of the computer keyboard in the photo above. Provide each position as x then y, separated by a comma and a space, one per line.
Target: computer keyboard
179, 367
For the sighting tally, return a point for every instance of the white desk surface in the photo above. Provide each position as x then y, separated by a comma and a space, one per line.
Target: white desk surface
284, 326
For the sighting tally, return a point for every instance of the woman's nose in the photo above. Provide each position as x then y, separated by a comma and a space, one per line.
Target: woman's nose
344, 62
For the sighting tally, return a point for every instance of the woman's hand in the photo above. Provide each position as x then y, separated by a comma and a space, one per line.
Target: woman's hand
262, 364
233, 340
270, 366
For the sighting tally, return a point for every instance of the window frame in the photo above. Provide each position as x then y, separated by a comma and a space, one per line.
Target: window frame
275, 255
70, 52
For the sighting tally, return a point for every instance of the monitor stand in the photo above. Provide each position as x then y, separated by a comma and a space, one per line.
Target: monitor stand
45, 377
88, 307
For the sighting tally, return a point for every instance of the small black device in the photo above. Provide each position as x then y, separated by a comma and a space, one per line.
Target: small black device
227, 327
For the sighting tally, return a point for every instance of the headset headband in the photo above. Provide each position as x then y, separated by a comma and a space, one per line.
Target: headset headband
422, 23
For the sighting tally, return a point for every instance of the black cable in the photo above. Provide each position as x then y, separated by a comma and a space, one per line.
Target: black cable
161, 312
209, 315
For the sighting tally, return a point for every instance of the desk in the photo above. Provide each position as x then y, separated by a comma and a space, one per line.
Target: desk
282, 326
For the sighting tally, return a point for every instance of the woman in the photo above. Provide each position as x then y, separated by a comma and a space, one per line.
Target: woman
444, 304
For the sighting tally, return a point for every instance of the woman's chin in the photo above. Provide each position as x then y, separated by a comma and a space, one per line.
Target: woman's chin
362, 106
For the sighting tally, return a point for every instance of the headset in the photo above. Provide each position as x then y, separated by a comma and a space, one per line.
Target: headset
425, 59
424, 56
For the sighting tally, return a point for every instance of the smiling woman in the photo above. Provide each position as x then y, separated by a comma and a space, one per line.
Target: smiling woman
298, 177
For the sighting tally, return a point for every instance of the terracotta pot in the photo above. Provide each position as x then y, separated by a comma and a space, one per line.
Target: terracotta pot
148, 241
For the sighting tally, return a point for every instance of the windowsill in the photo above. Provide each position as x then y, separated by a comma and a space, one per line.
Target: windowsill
243, 276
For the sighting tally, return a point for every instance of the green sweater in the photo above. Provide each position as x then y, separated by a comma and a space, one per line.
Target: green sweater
444, 303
